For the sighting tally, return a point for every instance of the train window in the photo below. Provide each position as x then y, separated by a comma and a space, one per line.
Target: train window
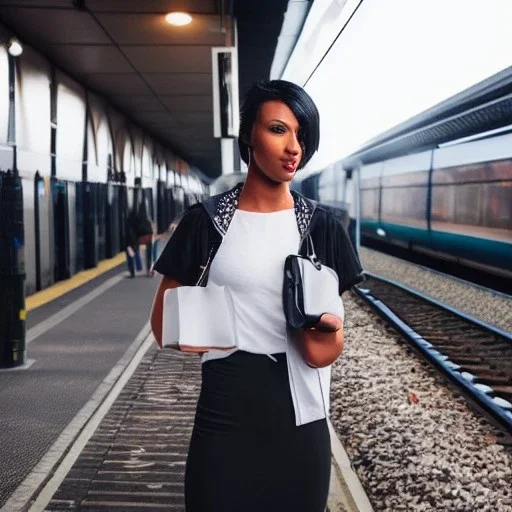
407, 205
500, 170
474, 195
406, 180
498, 207
370, 192
404, 198
441, 203
467, 204
370, 204
481, 209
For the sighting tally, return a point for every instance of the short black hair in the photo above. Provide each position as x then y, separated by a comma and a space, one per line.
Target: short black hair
299, 102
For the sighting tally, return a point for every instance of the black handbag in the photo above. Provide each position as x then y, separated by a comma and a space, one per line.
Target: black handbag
310, 289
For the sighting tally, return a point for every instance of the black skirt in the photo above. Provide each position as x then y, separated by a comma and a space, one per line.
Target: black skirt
246, 453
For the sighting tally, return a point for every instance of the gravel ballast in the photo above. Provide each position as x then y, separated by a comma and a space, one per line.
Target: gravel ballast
413, 441
495, 309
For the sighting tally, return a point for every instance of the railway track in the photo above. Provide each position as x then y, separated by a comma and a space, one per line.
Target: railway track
475, 356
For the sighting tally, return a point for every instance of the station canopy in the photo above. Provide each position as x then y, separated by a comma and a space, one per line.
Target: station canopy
158, 75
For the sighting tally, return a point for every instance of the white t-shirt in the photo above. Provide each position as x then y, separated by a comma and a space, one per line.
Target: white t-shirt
250, 262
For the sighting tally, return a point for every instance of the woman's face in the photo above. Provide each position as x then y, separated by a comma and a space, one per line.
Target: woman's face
275, 149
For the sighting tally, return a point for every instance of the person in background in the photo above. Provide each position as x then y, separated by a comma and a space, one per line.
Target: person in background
260, 441
139, 231
132, 247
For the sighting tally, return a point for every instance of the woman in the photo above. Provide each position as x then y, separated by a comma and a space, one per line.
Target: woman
260, 440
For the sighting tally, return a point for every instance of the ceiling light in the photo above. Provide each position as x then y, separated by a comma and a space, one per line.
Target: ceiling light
14, 47
178, 18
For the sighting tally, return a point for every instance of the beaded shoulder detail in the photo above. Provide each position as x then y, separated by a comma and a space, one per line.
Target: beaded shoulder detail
224, 206
303, 212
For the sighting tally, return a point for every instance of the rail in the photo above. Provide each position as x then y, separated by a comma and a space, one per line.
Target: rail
476, 356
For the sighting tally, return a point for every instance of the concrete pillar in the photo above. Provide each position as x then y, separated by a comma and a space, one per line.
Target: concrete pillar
227, 155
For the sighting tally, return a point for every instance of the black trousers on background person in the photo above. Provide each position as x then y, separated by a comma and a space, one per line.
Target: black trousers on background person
246, 453
131, 260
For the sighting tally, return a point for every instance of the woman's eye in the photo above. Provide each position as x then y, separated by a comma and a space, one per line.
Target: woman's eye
277, 129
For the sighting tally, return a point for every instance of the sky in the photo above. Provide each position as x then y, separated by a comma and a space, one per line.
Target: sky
393, 60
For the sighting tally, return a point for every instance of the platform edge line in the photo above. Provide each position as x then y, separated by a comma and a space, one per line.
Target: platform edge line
79, 427
46, 494
72, 308
350, 481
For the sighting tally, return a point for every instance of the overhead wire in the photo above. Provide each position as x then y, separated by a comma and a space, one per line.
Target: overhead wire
333, 43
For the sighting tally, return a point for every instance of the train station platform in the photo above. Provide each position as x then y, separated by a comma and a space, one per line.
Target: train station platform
99, 418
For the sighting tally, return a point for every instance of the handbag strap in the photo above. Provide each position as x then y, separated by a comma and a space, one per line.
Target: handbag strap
311, 254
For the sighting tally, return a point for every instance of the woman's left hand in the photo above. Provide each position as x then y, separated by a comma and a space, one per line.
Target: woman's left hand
328, 323
322, 344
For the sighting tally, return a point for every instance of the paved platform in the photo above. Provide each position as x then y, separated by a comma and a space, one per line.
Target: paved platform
101, 419
135, 460
69, 359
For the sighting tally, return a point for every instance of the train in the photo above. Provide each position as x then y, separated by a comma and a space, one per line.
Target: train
70, 226
452, 202
77, 164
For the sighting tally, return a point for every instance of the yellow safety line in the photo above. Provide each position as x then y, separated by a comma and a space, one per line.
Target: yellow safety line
62, 287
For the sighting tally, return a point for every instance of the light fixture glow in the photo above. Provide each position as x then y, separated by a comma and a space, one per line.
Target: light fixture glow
15, 49
178, 18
